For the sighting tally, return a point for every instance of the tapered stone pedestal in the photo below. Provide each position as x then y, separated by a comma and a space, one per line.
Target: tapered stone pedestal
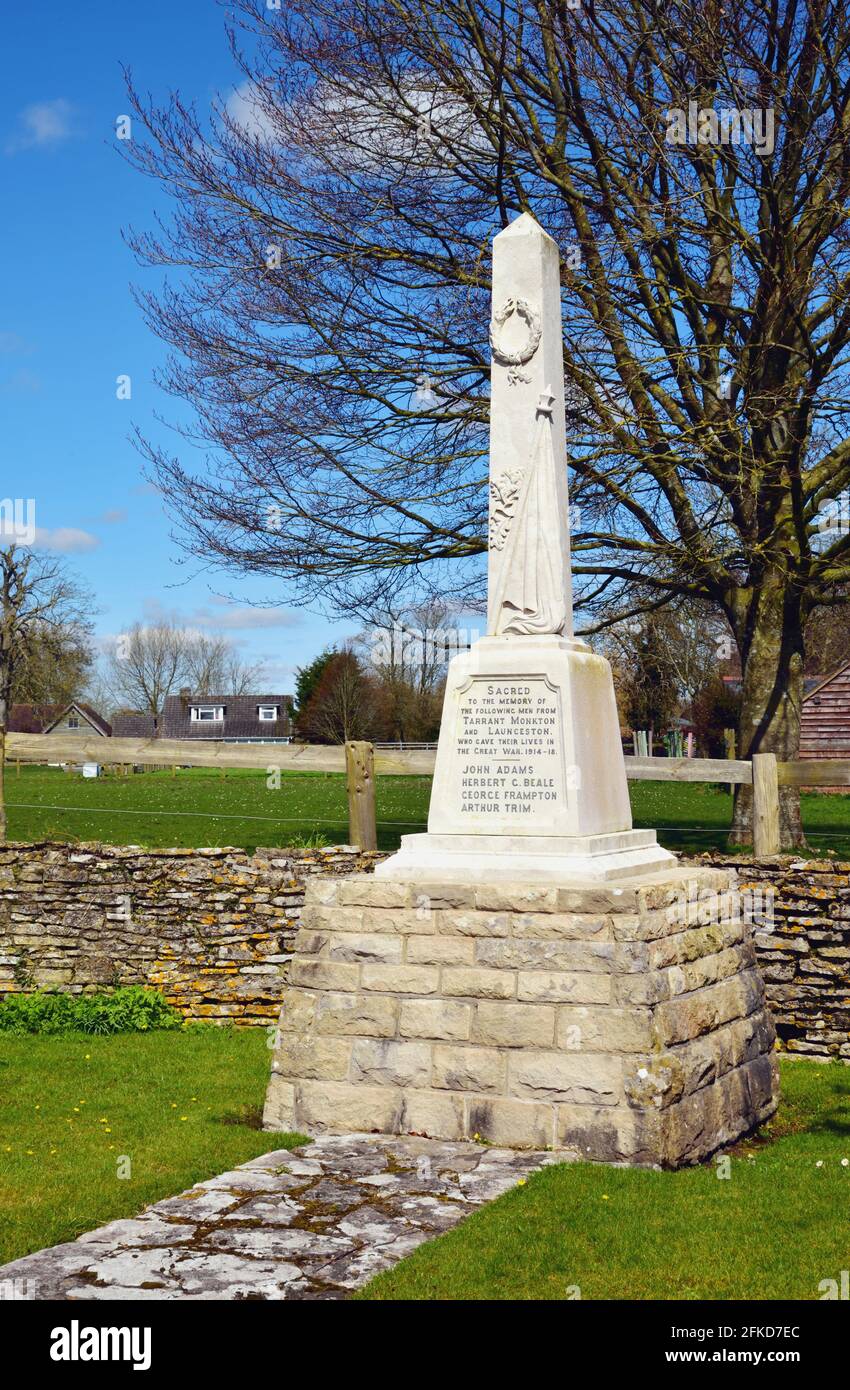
623, 1023
530, 783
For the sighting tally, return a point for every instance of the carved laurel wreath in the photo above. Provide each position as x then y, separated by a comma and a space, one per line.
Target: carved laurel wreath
521, 307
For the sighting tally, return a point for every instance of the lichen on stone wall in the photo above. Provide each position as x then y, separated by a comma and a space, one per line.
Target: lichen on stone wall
211, 928
214, 928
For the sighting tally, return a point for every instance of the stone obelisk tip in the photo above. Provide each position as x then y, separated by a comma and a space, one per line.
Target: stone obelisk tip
523, 225
528, 468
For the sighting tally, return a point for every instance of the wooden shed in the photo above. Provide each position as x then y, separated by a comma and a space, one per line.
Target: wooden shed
825, 717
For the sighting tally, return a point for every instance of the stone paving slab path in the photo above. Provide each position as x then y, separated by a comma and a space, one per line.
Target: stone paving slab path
308, 1223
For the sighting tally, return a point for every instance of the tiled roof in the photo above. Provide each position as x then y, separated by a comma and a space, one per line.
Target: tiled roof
38, 719
240, 717
819, 682
130, 724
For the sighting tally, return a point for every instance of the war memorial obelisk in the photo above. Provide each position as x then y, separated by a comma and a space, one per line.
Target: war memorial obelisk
532, 971
530, 782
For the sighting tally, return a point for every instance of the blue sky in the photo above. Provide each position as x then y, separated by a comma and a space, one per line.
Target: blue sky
69, 326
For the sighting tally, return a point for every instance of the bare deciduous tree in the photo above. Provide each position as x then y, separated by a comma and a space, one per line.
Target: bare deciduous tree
145, 664
213, 667
40, 603
151, 661
407, 650
695, 643
330, 324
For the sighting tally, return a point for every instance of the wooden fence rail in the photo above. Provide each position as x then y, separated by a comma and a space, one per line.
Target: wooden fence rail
362, 763
687, 770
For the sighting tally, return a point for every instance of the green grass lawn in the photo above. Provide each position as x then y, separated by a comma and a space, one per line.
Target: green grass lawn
199, 807
774, 1229
181, 1106
185, 1106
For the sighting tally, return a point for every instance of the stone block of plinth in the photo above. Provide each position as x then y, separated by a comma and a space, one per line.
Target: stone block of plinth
622, 1022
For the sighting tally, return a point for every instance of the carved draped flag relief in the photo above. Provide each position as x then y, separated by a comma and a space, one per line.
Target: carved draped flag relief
530, 591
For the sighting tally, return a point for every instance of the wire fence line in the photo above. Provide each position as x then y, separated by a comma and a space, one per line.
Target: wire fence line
327, 820
361, 764
206, 815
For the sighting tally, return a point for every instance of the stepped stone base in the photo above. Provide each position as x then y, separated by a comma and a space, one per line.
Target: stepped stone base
620, 1022
556, 859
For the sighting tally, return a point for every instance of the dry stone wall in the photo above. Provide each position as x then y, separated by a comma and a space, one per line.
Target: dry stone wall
212, 928
801, 918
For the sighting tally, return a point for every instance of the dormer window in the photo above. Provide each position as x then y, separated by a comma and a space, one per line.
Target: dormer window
268, 713
207, 714
73, 722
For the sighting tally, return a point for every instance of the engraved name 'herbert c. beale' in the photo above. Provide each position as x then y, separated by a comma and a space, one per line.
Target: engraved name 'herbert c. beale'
509, 758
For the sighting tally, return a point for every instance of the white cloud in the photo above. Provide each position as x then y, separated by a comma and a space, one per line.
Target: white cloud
245, 110
223, 616
65, 540
422, 124
41, 125
277, 675
242, 618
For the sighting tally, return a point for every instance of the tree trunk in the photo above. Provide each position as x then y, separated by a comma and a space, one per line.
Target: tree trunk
772, 693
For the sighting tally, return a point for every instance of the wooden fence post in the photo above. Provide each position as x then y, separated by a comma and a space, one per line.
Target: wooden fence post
765, 805
360, 779
730, 741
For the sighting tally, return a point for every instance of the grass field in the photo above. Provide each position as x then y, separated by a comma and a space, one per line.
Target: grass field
200, 807
185, 1106
180, 1106
774, 1229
